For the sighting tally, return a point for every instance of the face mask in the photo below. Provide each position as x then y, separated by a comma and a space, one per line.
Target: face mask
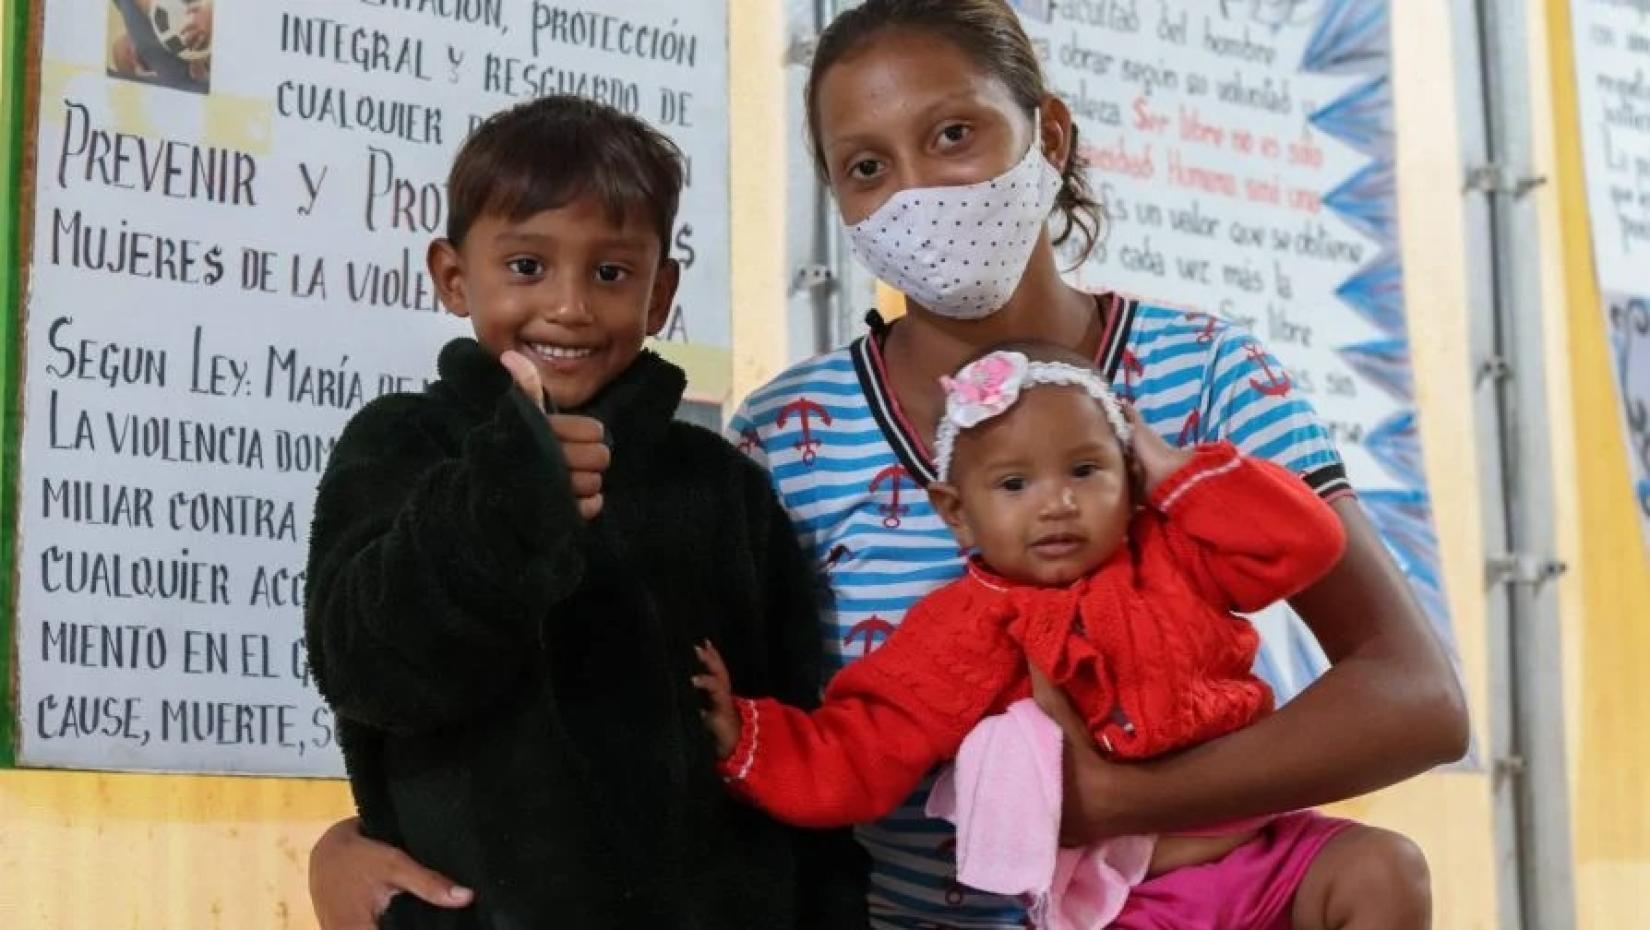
960, 251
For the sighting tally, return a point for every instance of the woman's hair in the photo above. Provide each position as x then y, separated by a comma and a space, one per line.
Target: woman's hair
989, 33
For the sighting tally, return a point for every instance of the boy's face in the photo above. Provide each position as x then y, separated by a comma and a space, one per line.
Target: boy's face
1042, 491
566, 287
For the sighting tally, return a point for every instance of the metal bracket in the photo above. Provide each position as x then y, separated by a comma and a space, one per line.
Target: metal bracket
1503, 768
1494, 367
1522, 568
1496, 178
812, 278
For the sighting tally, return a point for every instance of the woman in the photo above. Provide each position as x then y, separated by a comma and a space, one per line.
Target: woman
909, 102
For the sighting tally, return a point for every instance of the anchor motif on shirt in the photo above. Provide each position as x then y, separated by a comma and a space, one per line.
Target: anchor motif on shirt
803, 408
893, 510
1205, 335
1272, 386
873, 630
749, 439
1132, 371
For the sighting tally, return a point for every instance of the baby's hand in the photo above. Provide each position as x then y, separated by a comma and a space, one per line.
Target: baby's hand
1157, 459
581, 438
720, 716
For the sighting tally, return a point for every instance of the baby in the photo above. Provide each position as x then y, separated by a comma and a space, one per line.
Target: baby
1115, 566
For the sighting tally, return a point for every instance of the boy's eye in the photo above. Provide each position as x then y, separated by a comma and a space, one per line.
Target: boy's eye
1013, 484
526, 267
864, 169
611, 274
953, 134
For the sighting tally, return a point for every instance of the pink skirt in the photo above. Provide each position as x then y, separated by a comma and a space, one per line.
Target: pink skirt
1252, 888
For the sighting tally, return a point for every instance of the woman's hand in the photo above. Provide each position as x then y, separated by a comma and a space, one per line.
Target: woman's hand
1094, 787
352, 879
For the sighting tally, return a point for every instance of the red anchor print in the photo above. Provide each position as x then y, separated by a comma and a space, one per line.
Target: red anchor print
749, 439
893, 510
1188, 433
1272, 386
1205, 335
803, 408
873, 630
1132, 372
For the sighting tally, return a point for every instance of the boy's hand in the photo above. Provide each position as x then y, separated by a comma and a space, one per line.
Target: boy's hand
1156, 458
720, 717
581, 438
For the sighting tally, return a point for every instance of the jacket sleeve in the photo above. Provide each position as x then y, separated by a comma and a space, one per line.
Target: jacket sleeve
1245, 530
833, 873
432, 563
886, 720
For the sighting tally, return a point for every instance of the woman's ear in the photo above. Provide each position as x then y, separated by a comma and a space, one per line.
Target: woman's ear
948, 504
1055, 132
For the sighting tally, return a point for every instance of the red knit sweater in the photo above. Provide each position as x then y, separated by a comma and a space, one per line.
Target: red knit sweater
1147, 647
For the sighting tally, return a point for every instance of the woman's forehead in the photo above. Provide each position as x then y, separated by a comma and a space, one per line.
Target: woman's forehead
899, 76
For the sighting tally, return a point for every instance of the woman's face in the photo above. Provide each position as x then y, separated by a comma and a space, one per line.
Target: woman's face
908, 110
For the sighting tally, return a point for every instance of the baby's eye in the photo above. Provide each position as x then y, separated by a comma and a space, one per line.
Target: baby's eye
1084, 469
526, 267
1013, 484
611, 274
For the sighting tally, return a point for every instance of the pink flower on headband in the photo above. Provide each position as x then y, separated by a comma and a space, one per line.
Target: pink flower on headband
984, 388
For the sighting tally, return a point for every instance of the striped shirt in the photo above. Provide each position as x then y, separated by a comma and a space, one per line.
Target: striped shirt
850, 470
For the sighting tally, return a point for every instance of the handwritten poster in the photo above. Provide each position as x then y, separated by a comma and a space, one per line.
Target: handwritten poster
233, 202
1612, 53
1244, 153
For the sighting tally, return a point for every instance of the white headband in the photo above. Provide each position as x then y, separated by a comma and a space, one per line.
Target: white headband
991, 384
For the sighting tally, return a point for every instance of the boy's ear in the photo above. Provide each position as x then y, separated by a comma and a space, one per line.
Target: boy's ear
663, 298
447, 271
948, 504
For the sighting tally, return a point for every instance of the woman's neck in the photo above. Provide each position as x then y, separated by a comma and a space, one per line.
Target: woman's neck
925, 346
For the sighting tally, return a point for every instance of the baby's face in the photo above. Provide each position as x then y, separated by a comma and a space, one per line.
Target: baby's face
1041, 491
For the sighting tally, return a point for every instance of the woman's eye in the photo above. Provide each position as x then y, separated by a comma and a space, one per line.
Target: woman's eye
526, 267
611, 274
864, 169
953, 134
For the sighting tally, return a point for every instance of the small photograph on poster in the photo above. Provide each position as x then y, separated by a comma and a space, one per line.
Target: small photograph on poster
162, 42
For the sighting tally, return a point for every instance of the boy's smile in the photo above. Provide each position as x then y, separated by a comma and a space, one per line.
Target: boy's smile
574, 288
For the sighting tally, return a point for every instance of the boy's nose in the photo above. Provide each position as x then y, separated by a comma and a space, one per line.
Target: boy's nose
568, 305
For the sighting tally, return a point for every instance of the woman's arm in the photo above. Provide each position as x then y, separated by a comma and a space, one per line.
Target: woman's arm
1388, 708
352, 879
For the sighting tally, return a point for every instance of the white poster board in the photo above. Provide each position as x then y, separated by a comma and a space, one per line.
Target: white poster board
1244, 153
227, 263
1612, 53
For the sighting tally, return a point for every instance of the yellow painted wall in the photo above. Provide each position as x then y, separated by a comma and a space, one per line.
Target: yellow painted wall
1606, 717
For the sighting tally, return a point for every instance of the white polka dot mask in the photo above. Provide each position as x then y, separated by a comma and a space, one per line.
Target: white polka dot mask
960, 251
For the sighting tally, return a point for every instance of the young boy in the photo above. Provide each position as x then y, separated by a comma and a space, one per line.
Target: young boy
503, 601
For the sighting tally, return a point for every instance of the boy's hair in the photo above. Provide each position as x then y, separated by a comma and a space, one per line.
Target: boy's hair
548, 152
